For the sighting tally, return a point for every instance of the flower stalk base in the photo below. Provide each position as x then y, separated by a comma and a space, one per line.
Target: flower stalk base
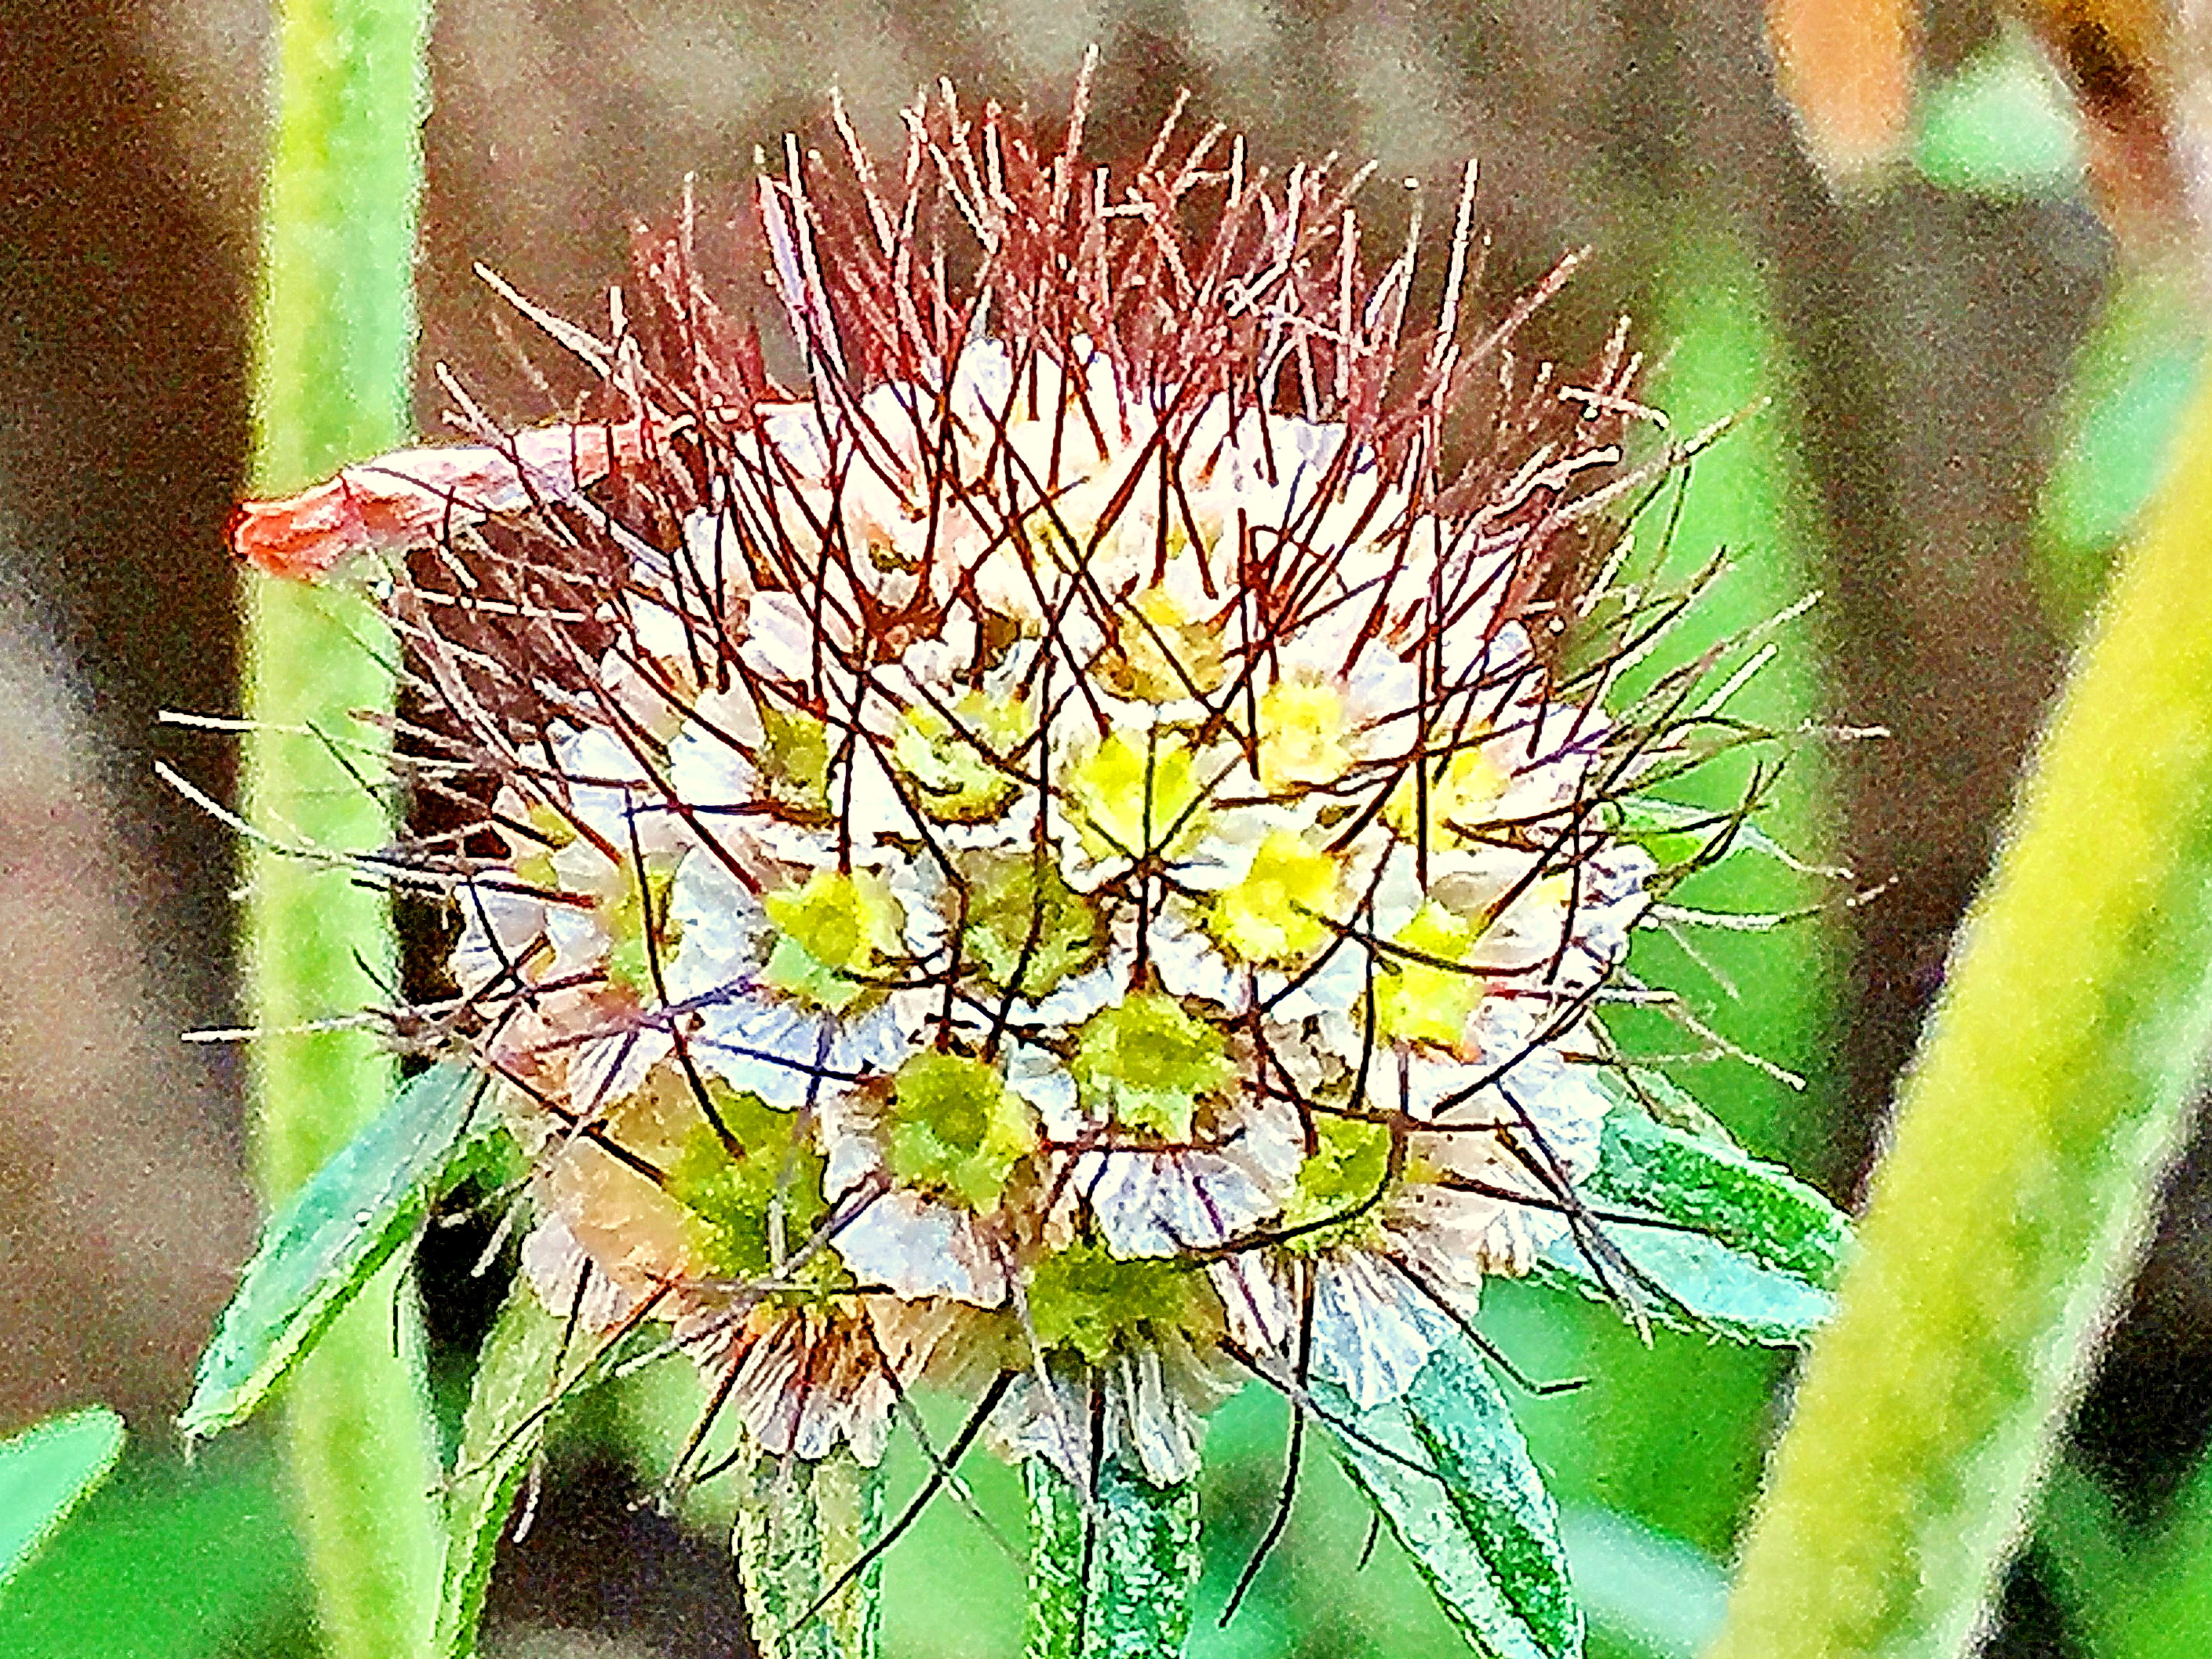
801, 1525
1115, 1576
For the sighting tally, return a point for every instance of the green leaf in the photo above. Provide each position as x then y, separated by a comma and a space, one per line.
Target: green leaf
1139, 1544
1446, 1467
1748, 1250
330, 1239
169, 1562
1668, 1102
46, 1472
505, 1424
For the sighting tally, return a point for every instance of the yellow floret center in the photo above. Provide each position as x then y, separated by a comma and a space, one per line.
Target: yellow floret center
1303, 731
1417, 1000
1277, 912
1146, 1062
1133, 797
1460, 801
1086, 1302
1164, 651
793, 759
956, 1130
952, 759
1024, 919
835, 931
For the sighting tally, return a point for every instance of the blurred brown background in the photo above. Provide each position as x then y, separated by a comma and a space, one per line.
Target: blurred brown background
1932, 332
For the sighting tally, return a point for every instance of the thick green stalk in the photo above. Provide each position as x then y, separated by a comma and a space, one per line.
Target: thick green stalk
2049, 1096
334, 347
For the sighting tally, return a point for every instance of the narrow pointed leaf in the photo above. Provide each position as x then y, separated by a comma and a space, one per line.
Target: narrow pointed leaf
505, 1424
1745, 1250
1667, 1102
1757, 1209
1447, 1469
46, 1472
329, 1240
1117, 1583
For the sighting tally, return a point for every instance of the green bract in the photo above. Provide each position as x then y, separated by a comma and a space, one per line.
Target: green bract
502, 1431
1093, 1304
1346, 1170
1146, 1063
1447, 1469
1111, 1566
1732, 1245
1137, 798
757, 1205
955, 761
837, 929
46, 1472
1024, 919
1279, 912
956, 1130
340, 1226
1418, 1001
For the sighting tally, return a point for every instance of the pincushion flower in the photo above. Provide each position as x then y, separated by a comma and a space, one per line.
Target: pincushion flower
1036, 833
1074, 775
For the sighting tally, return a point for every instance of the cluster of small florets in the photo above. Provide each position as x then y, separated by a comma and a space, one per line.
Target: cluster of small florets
1054, 858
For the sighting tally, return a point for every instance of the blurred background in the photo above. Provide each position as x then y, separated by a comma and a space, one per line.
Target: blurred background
1961, 310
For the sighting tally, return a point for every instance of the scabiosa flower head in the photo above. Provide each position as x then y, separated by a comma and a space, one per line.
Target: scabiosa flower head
1026, 828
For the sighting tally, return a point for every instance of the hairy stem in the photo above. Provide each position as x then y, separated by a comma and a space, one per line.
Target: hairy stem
801, 1526
2051, 1093
334, 346
1111, 1579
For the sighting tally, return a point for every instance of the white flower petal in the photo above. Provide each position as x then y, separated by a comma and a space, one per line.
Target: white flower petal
917, 1247
779, 637
1368, 1335
560, 1271
1163, 1203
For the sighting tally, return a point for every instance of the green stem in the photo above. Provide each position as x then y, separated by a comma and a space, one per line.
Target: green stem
2050, 1094
502, 1431
1112, 1579
801, 1526
335, 343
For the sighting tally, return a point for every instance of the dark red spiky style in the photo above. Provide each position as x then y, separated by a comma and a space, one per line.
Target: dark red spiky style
1195, 274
